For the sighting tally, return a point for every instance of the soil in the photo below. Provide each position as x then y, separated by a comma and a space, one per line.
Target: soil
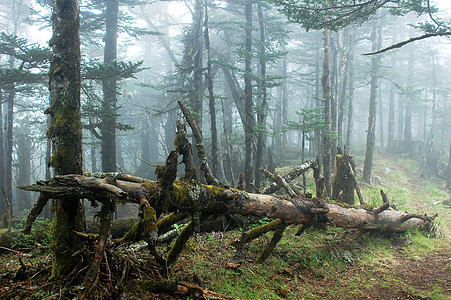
411, 278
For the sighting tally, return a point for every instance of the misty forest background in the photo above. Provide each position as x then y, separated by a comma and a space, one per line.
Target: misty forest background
257, 95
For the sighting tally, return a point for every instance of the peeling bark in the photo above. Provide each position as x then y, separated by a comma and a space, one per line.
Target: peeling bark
207, 200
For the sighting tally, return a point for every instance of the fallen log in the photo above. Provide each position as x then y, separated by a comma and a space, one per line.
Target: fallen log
207, 200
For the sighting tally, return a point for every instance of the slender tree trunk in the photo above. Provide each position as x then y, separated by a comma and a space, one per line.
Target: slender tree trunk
48, 174
434, 97
391, 115
214, 131
401, 108
24, 170
108, 128
197, 72
2, 159
9, 124
376, 40
391, 103
326, 84
284, 107
318, 137
448, 175
261, 114
65, 131
381, 118
344, 74
93, 152
335, 78
408, 113
248, 102
349, 130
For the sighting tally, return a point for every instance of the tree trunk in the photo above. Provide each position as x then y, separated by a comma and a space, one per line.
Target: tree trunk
326, 83
409, 99
2, 159
24, 169
344, 74
349, 130
214, 131
248, 102
391, 103
343, 185
448, 175
284, 108
261, 111
197, 97
109, 114
9, 124
335, 79
65, 131
391, 115
371, 133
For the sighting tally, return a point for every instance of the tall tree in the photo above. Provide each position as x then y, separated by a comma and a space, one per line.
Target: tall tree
108, 125
326, 84
248, 101
261, 112
376, 42
349, 129
65, 130
211, 102
2, 159
409, 99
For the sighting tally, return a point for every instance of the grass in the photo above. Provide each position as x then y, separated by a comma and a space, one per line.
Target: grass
326, 263
306, 267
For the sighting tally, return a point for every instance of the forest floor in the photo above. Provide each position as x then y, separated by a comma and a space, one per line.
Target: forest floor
322, 263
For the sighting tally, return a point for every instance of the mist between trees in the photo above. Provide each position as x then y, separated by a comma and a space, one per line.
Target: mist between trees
264, 92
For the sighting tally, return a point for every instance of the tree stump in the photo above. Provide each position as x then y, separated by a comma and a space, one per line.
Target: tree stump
343, 185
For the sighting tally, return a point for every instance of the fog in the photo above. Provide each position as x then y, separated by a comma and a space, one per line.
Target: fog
162, 58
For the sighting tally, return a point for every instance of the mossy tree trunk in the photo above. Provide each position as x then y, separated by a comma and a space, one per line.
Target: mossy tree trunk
65, 131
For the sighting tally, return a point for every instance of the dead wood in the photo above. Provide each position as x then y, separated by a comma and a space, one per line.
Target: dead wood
92, 276
231, 201
181, 288
272, 244
290, 176
201, 153
280, 182
35, 212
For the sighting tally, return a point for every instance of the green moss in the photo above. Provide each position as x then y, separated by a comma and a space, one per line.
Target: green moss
144, 227
180, 243
65, 130
64, 242
214, 191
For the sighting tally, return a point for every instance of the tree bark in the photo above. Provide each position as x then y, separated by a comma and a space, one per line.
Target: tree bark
371, 132
326, 84
261, 111
349, 130
2, 159
214, 131
65, 131
448, 175
248, 102
108, 128
209, 200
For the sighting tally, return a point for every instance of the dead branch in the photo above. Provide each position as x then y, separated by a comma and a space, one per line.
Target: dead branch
201, 153
279, 181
